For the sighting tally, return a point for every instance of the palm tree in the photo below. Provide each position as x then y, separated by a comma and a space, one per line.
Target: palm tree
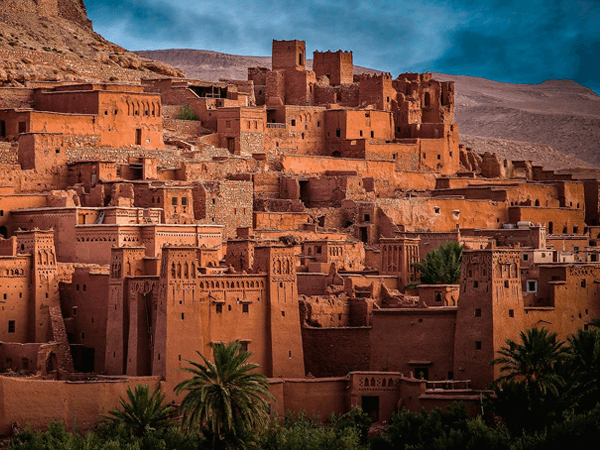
143, 412
225, 399
534, 360
441, 265
532, 394
584, 359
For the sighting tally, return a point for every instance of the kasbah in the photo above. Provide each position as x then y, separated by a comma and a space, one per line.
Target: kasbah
288, 218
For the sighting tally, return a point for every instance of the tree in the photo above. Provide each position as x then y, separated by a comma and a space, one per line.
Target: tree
441, 265
534, 360
225, 400
143, 412
533, 392
584, 360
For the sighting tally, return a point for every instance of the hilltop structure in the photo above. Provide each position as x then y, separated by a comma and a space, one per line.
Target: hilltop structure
287, 217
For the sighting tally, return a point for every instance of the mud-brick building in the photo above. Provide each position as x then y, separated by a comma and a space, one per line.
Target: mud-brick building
30, 314
105, 115
157, 321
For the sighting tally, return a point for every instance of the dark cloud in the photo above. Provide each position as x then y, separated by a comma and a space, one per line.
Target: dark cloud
506, 40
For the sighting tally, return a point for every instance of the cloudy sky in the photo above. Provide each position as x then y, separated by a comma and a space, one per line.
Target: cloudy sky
522, 41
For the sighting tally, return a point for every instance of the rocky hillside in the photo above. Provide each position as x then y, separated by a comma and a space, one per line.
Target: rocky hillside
541, 155
556, 123
557, 113
54, 40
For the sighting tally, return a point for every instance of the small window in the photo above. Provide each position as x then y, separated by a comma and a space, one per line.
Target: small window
583, 283
282, 313
436, 209
182, 316
228, 123
505, 283
477, 345
367, 217
338, 133
183, 201
475, 284
439, 156
174, 201
531, 286
525, 257
245, 308
219, 308
318, 123
478, 312
372, 134
11, 326
74, 311
293, 122
243, 346
511, 313
83, 336
360, 133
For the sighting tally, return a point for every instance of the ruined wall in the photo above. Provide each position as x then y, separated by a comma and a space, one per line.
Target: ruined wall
305, 165
444, 214
227, 202
14, 97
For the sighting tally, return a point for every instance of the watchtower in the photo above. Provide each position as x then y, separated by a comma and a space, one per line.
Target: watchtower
336, 65
289, 55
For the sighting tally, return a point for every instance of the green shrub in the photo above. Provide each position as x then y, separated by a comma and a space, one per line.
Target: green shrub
187, 113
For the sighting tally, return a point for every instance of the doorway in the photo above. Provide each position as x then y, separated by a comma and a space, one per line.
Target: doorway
370, 405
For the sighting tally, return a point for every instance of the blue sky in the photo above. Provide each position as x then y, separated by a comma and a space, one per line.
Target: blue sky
525, 41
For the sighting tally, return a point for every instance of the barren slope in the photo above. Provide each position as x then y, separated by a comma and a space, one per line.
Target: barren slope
558, 113
35, 46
